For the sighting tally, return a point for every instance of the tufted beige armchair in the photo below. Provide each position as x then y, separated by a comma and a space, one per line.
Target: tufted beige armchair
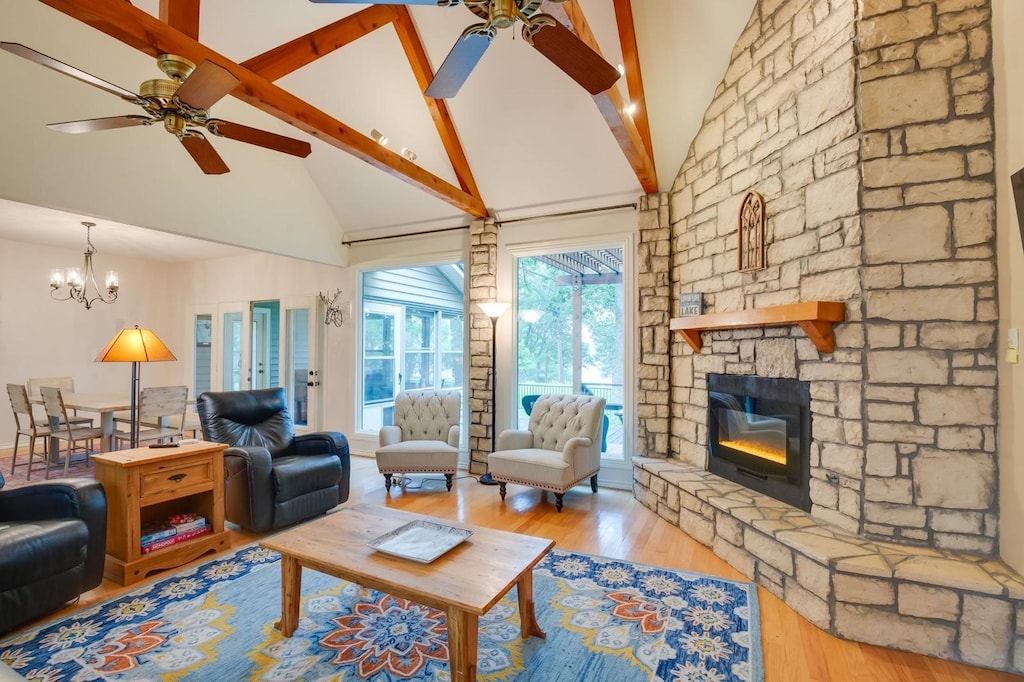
560, 448
424, 437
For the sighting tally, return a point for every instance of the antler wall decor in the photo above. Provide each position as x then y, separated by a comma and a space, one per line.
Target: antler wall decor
332, 312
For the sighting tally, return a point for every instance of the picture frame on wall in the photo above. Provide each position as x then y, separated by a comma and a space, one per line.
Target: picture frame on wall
691, 304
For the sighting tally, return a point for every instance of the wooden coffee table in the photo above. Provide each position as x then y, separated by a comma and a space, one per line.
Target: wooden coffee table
464, 583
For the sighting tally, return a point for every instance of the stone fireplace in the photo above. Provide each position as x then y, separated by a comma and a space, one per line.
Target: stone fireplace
867, 127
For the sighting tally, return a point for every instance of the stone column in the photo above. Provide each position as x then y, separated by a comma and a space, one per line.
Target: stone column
653, 314
483, 286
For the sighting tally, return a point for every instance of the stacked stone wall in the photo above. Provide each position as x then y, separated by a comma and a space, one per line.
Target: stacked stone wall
929, 273
483, 286
867, 127
654, 294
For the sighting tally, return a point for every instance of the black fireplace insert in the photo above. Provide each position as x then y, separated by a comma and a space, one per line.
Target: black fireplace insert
759, 432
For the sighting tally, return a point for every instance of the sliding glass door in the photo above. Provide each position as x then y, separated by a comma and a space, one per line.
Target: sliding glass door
570, 335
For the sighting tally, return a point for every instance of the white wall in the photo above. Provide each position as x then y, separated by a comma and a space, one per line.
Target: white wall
1009, 69
142, 176
40, 337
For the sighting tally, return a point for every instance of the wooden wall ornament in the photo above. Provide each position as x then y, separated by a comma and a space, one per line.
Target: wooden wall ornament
751, 232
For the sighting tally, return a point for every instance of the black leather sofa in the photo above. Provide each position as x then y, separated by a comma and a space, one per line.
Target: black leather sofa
272, 478
53, 541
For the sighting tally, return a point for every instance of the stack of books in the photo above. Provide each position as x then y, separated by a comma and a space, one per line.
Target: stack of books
178, 528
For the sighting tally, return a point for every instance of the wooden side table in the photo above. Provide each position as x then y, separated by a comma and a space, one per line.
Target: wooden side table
150, 485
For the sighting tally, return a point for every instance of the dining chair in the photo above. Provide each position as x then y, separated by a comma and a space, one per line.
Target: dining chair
53, 404
65, 384
161, 414
25, 421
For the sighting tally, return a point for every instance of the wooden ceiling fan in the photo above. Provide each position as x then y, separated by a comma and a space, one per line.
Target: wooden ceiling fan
181, 102
542, 31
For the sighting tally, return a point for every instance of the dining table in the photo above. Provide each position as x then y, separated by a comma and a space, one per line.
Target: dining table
105, 404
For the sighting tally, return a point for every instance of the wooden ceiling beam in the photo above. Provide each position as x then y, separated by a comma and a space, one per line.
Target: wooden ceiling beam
631, 64
136, 28
611, 103
182, 15
295, 54
420, 63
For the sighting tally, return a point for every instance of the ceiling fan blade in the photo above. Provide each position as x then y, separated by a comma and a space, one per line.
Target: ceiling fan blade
461, 61
93, 124
261, 138
204, 86
68, 70
203, 153
436, 3
570, 54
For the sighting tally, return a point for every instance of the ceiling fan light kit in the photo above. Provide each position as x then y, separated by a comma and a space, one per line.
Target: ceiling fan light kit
180, 102
553, 40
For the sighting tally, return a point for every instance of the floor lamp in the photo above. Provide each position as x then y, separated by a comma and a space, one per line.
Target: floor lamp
493, 310
135, 345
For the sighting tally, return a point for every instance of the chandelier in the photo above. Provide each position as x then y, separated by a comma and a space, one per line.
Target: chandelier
72, 284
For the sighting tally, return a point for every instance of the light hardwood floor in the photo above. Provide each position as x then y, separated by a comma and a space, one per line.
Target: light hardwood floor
612, 523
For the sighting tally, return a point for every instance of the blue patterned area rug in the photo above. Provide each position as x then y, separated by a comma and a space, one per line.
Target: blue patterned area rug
605, 619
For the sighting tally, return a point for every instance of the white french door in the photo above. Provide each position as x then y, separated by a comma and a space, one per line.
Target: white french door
301, 354
234, 347
262, 344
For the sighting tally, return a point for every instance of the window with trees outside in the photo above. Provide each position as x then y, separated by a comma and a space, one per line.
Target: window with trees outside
570, 333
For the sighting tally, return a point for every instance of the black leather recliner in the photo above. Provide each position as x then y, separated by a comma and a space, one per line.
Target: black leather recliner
273, 478
53, 542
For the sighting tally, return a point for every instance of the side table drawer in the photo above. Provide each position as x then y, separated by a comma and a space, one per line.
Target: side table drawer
167, 480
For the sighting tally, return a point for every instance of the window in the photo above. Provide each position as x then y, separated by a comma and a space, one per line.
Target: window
420, 342
202, 372
378, 355
450, 347
412, 337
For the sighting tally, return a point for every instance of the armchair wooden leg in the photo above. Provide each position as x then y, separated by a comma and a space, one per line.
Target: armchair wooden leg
387, 482
501, 489
558, 501
593, 483
448, 481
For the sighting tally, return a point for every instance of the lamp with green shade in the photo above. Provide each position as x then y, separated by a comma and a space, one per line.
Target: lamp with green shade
135, 345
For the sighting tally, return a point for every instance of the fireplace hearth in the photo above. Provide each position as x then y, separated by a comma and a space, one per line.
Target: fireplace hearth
759, 432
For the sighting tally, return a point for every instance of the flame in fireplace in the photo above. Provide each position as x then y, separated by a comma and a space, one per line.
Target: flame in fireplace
756, 449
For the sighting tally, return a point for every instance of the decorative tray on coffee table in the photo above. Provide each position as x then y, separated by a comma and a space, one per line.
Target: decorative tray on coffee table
421, 541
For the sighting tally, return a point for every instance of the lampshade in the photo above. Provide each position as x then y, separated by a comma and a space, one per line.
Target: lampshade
531, 315
493, 309
135, 345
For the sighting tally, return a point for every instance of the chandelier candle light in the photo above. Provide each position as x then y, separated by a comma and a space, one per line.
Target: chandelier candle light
493, 310
73, 284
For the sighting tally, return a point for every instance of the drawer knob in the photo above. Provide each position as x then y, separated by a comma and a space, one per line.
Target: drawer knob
177, 478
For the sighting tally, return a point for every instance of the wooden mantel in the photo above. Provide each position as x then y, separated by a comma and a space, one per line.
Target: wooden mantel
816, 318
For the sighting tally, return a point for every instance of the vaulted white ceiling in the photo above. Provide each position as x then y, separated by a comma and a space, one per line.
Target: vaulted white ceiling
534, 140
